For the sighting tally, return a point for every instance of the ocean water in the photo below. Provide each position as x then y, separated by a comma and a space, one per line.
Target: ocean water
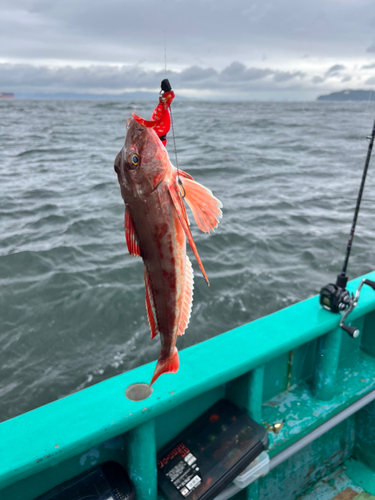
72, 308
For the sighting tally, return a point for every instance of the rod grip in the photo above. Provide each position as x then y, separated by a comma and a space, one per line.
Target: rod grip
370, 283
353, 332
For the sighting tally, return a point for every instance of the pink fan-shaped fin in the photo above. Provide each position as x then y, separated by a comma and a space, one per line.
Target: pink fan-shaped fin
150, 307
185, 175
203, 204
131, 236
181, 212
188, 298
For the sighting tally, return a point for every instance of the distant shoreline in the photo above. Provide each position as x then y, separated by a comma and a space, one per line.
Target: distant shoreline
348, 95
131, 96
343, 96
6, 95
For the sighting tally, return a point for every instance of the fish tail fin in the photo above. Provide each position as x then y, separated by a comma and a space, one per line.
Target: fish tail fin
169, 365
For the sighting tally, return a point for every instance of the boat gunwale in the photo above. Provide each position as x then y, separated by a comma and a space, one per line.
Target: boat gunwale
76, 423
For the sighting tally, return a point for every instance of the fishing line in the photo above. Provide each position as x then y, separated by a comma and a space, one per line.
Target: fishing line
175, 152
165, 55
369, 99
165, 41
170, 108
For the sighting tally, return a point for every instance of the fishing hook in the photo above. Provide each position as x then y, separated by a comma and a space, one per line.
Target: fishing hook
182, 185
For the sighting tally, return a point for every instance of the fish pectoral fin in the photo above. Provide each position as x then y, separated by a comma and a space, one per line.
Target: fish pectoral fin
131, 236
187, 303
169, 365
182, 215
203, 204
184, 174
150, 307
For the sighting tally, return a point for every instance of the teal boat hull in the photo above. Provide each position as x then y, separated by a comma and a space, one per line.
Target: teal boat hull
295, 368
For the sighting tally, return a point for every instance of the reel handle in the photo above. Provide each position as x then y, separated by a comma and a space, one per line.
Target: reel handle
353, 332
370, 283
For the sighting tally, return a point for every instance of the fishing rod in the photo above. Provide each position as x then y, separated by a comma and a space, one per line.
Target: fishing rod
335, 297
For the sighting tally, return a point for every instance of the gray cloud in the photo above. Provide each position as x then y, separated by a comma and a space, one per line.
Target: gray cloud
118, 45
318, 79
369, 66
334, 70
197, 74
198, 32
238, 72
284, 76
101, 78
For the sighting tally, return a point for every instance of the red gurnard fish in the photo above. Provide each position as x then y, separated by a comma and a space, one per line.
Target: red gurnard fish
156, 228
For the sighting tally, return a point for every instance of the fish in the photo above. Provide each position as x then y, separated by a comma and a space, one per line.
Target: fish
156, 229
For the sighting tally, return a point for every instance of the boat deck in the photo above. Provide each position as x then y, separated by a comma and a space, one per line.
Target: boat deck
336, 486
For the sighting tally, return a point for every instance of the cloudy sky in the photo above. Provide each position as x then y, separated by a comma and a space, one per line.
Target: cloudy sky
240, 49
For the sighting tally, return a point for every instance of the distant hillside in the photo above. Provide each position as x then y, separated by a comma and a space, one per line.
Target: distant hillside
348, 95
128, 96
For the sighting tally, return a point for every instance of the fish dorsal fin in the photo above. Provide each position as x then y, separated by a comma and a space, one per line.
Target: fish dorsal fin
182, 215
203, 204
150, 307
131, 236
188, 298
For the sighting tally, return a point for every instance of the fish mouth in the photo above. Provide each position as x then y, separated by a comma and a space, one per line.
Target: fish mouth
131, 123
135, 135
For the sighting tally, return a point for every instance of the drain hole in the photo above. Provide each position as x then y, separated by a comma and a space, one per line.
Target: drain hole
138, 392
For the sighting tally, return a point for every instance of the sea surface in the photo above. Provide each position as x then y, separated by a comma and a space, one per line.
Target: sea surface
72, 307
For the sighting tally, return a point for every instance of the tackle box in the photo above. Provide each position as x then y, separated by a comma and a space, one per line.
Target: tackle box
210, 453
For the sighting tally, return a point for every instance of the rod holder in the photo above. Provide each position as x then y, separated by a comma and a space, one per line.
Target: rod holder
141, 459
326, 365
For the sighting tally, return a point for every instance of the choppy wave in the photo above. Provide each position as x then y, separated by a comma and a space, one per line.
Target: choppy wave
72, 299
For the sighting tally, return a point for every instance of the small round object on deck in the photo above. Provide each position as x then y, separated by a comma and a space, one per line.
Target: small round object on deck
138, 392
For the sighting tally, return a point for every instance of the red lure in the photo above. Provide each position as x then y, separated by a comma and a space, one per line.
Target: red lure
161, 117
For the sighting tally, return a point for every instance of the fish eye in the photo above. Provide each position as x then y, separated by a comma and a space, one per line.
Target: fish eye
135, 160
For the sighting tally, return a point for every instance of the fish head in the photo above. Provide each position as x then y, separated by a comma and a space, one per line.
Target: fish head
142, 163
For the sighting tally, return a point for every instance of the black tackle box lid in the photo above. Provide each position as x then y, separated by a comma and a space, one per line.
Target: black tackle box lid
210, 453
108, 481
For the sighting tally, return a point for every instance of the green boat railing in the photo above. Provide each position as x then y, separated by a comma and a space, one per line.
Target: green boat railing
294, 367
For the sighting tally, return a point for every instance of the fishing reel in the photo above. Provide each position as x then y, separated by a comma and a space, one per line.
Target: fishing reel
336, 298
